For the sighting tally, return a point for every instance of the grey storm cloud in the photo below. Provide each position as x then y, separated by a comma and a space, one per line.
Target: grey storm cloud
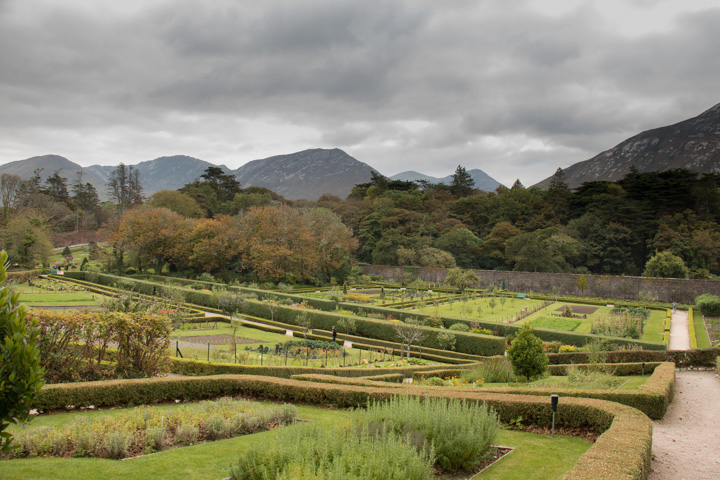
516, 90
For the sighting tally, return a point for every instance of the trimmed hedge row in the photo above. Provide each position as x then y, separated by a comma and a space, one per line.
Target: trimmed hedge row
651, 398
622, 451
394, 381
504, 329
185, 366
465, 342
717, 365
691, 330
568, 338
618, 369
385, 344
23, 276
682, 358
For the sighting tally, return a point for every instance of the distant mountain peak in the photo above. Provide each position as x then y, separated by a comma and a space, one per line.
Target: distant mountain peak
693, 144
306, 174
482, 180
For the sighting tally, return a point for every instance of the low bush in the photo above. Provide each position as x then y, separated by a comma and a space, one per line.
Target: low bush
78, 345
315, 452
709, 305
681, 358
459, 434
148, 430
459, 327
492, 370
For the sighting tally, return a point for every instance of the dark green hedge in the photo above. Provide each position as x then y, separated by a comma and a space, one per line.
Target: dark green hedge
385, 344
618, 369
651, 398
190, 367
622, 451
396, 380
682, 358
378, 329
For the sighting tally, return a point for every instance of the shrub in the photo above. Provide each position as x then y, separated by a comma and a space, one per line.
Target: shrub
492, 370
20, 360
459, 327
527, 355
313, 451
143, 430
709, 305
552, 347
74, 346
434, 382
460, 433
566, 348
446, 340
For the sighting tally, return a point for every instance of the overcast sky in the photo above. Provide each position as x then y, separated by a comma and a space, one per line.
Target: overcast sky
515, 88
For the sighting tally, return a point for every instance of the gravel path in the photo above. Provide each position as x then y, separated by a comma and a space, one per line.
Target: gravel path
679, 333
686, 443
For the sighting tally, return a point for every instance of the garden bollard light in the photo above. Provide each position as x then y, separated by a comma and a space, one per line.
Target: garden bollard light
643, 368
262, 350
554, 403
208, 352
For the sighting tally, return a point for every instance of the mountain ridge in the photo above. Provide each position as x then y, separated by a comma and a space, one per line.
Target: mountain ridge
693, 144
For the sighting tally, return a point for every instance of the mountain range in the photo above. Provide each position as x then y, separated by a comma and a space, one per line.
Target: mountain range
693, 144
482, 180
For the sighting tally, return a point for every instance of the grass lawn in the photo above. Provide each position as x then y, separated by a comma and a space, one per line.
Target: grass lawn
535, 456
556, 323
701, 334
37, 296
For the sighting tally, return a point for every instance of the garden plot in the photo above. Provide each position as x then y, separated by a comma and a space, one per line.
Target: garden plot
492, 309
203, 342
534, 455
49, 294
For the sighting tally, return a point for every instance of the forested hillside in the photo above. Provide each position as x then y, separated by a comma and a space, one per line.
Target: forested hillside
214, 225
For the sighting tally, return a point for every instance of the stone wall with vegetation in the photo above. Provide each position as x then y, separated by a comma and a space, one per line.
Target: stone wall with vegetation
661, 289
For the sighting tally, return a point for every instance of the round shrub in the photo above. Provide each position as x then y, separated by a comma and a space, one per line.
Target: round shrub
459, 327
527, 355
709, 305
435, 382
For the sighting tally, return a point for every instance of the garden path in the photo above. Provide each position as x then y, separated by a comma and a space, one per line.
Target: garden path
679, 333
685, 442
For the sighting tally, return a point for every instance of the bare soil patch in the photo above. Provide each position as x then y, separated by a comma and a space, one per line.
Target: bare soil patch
582, 310
217, 340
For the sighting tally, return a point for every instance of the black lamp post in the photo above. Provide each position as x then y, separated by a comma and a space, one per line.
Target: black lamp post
554, 403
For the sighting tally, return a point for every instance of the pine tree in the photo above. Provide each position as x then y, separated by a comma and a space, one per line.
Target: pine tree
462, 183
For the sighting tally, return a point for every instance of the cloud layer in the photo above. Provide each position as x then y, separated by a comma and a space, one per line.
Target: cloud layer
514, 90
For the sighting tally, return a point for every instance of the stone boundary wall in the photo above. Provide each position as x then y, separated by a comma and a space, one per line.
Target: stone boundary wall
661, 289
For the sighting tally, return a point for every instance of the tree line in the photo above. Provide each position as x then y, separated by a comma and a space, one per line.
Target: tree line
601, 227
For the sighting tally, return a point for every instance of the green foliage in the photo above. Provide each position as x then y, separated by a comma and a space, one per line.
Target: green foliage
461, 279
148, 430
460, 433
446, 340
665, 265
527, 355
314, 452
20, 370
492, 370
709, 305
556, 323
76, 346
459, 327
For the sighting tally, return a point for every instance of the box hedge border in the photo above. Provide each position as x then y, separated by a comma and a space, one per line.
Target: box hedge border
622, 451
651, 398
202, 298
682, 358
395, 380
185, 366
